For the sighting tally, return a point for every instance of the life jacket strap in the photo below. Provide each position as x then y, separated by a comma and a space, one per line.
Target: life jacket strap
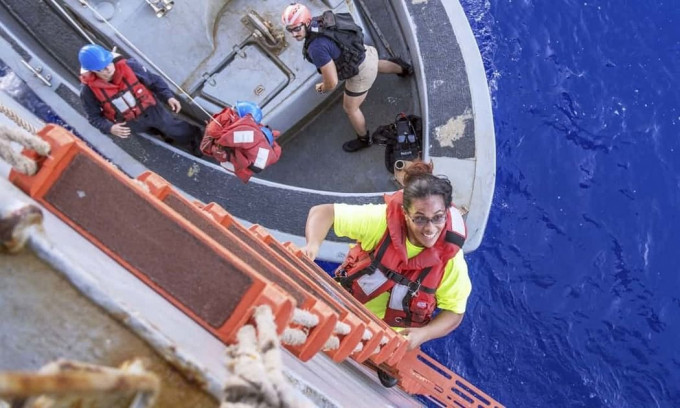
347, 281
413, 286
406, 301
455, 239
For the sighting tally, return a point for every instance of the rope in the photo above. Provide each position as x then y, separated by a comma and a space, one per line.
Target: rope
53, 384
14, 158
304, 318
19, 120
342, 328
28, 140
256, 366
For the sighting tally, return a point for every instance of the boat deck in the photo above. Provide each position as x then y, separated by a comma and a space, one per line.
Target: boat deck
449, 91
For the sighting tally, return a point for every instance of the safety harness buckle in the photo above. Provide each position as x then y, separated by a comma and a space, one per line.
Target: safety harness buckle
413, 287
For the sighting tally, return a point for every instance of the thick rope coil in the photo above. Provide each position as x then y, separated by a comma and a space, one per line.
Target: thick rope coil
304, 318
379, 347
297, 337
58, 383
341, 328
18, 120
255, 364
15, 159
359, 348
367, 335
333, 343
17, 221
28, 140
293, 337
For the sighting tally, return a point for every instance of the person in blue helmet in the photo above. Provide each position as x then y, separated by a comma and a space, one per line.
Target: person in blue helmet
121, 97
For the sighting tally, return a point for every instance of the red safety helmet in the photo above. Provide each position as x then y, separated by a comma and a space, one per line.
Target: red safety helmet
296, 14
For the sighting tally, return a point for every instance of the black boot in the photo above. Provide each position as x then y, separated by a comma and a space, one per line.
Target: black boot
406, 68
386, 380
361, 142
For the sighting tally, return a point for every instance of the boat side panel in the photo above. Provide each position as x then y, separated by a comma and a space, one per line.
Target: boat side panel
451, 128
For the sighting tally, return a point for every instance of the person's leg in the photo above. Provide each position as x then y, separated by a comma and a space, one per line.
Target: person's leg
178, 131
352, 107
356, 89
388, 67
395, 66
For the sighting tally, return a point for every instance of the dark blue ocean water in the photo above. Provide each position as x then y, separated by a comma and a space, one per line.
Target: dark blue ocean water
575, 287
574, 299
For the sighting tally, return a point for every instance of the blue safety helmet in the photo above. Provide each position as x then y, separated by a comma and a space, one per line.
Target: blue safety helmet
245, 107
94, 57
268, 134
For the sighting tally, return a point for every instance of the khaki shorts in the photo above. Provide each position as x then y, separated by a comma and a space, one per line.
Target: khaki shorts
368, 71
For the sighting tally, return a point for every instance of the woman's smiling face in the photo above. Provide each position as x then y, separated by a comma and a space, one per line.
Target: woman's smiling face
425, 220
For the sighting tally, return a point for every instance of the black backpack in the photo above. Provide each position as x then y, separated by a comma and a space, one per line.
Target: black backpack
402, 139
341, 28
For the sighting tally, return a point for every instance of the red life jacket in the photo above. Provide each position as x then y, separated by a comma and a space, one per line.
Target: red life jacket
412, 283
241, 142
122, 99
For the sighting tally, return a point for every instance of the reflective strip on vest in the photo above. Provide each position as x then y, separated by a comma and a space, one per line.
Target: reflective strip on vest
457, 223
262, 157
244, 136
228, 165
125, 102
370, 283
397, 297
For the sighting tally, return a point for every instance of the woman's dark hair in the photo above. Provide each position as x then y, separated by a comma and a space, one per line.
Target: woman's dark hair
419, 182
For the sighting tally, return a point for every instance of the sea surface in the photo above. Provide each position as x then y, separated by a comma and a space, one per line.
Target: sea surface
575, 287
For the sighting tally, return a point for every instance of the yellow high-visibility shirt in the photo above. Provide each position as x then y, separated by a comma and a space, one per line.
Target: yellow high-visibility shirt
367, 224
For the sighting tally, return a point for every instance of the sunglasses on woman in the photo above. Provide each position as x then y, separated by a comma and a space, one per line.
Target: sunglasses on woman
421, 221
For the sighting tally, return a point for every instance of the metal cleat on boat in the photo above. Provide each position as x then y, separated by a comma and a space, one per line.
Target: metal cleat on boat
161, 7
264, 32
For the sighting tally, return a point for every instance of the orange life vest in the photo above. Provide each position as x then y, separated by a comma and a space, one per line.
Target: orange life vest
412, 283
122, 99
241, 142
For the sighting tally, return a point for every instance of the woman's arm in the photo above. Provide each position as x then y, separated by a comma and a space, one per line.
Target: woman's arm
444, 323
319, 222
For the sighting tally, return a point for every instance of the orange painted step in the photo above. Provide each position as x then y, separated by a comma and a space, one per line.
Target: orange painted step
348, 342
397, 345
394, 343
183, 264
316, 336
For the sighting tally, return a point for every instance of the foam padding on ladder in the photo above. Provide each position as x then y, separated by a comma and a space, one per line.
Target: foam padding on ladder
349, 342
208, 283
318, 335
419, 373
390, 353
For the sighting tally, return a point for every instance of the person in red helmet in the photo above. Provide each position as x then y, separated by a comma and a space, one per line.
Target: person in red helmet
120, 97
335, 45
